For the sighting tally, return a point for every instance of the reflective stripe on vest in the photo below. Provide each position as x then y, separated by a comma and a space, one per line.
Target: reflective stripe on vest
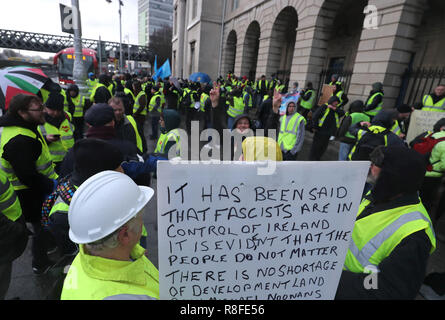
110, 88
59, 206
310, 103
237, 109
396, 128
289, 131
136, 105
372, 129
152, 104
429, 105
203, 99
192, 100
339, 95
131, 120
172, 135
44, 164
263, 84
129, 92
325, 115
374, 237
65, 100
379, 107
79, 104
91, 84
357, 117
250, 102
95, 278
9, 203
58, 149
93, 92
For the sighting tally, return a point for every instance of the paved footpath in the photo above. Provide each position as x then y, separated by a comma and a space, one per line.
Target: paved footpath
27, 286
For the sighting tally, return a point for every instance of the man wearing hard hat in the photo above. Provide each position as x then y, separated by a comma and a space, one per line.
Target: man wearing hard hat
105, 218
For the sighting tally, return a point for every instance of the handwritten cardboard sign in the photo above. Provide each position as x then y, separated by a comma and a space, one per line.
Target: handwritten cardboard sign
225, 232
326, 92
422, 121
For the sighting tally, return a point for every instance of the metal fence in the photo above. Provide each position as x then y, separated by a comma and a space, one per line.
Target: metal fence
418, 82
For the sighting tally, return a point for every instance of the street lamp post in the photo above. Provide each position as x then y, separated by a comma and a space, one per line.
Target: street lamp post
128, 49
121, 58
79, 74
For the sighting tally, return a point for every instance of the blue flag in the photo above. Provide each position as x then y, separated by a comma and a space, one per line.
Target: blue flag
164, 71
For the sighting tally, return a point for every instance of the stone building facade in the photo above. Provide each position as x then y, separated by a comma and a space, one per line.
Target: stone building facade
366, 41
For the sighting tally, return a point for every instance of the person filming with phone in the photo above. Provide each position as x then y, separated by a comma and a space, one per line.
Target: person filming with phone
58, 130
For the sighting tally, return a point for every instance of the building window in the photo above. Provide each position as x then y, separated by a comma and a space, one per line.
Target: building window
235, 4
194, 8
175, 22
192, 57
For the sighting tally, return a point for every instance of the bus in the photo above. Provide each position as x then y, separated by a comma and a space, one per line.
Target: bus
64, 62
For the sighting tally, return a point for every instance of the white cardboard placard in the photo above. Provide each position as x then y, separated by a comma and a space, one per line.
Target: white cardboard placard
226, 232
422, 121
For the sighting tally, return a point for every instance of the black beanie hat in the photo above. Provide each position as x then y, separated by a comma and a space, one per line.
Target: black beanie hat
333, 99
439, 124
55, 101
403, 171
99, 115
404, 108
92, 156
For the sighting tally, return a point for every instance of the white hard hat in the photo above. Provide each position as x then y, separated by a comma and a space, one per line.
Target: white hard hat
104, 203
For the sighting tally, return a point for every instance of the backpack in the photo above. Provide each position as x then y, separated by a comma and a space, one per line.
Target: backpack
368, 143
65, 189
425, 146
186, 100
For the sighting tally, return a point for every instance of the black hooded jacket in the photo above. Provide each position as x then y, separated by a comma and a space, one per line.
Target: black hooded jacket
329, 127
172, 95
385, 119
402, 272
102, 94
355, 107
376, 87
22, 153
344, 97
71, 106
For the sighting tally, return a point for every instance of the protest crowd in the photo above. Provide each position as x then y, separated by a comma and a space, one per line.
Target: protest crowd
67, 159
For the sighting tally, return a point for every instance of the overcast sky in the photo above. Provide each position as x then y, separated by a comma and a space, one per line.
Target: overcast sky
99, 18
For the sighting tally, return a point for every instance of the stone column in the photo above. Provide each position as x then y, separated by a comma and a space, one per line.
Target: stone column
239, 57
311, 44
385, 52
181, 29
263, 53
309, 54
